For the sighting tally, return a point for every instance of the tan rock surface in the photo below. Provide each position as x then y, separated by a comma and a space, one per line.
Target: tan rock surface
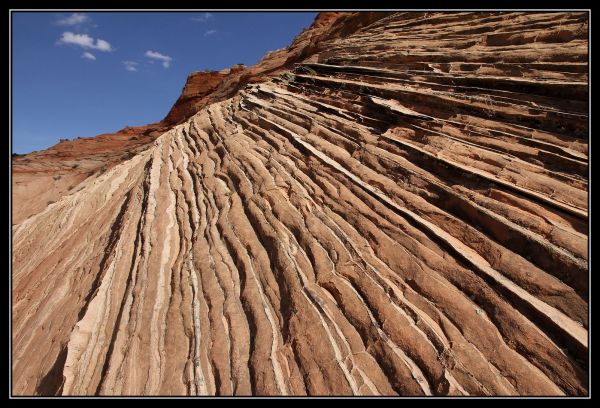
402, 212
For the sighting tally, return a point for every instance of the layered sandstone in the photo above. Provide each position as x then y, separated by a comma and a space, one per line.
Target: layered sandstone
396, 204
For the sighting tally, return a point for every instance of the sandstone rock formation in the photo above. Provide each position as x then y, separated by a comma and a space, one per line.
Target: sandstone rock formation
395, 204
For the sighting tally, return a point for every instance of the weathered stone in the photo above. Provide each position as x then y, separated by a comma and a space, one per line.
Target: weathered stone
395, 204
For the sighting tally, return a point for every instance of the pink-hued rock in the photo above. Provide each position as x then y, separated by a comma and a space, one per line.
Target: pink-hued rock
395, 204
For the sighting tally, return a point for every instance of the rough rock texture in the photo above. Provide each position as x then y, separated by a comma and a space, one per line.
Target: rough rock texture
404, 213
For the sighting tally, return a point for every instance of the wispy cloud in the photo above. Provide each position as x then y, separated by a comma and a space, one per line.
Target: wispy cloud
166, 60
88, 55
210, 32
130, 66
73, 19
85, 41
203, 18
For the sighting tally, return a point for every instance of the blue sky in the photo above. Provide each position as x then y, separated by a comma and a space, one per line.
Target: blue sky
83, 74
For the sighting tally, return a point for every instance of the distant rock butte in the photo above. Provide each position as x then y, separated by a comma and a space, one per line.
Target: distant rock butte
395, 204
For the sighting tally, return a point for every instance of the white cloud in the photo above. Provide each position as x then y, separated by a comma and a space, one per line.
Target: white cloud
210, 32
88, 55
85, 41
130, 66
203, 18
103, 45
73, 19
166, 60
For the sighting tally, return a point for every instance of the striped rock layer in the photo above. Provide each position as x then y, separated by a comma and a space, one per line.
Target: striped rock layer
405, 212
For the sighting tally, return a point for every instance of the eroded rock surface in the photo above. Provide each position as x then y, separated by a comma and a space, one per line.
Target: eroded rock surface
403, 211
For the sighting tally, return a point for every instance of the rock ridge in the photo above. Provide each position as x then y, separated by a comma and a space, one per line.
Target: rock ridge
395, 204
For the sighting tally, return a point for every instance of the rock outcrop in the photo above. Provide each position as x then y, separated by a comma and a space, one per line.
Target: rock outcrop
395, 204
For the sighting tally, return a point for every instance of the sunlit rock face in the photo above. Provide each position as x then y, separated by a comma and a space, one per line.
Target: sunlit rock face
396, 204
